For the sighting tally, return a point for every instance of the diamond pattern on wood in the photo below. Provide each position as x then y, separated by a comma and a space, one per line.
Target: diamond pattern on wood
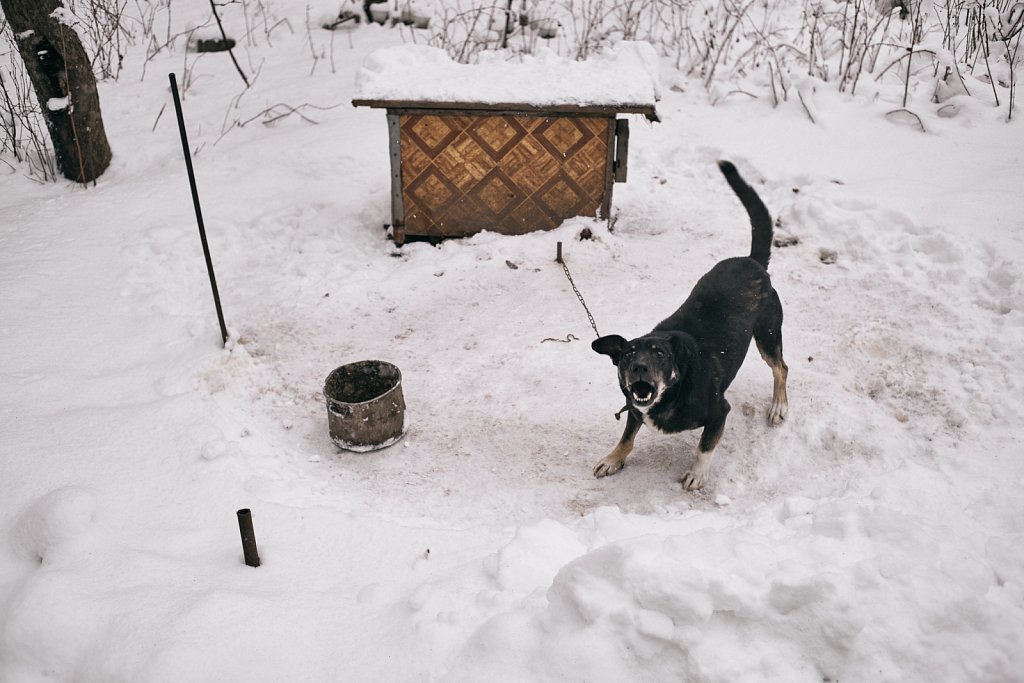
511, 174
496, 135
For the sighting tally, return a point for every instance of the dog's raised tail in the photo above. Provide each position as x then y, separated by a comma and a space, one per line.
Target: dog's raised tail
760, 219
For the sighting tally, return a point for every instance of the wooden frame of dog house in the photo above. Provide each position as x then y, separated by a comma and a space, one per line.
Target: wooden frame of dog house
459, 168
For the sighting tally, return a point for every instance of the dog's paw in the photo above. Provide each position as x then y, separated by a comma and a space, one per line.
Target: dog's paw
777, 413
693, 480
608, 466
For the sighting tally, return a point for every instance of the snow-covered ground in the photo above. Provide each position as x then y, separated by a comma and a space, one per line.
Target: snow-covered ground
876, 535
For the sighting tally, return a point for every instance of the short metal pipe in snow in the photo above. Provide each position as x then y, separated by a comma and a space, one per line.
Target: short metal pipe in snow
252, 556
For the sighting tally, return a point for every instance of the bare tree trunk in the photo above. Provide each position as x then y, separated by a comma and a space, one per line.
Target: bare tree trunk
64, 83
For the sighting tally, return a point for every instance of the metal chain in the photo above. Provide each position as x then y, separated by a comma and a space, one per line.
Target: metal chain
579, 296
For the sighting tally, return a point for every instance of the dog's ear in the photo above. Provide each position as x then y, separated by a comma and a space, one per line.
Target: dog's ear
610, 345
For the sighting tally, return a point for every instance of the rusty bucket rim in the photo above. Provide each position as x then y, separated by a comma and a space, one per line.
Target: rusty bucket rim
397, 384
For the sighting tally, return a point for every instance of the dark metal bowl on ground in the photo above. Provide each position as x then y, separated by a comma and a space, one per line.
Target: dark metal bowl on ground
365, 405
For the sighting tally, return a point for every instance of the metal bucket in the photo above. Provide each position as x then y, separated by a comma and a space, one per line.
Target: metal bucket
365, 405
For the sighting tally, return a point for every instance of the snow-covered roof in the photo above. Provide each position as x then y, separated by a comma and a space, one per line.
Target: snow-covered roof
623, 78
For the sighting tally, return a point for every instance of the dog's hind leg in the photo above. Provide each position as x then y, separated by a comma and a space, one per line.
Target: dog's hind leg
768, 337
613, 462
697, 475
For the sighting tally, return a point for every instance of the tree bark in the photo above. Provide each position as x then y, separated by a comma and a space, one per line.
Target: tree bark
64, 83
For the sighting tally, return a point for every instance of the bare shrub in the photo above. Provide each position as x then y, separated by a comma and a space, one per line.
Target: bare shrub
465, 28
23, 132
22, 128
105, 33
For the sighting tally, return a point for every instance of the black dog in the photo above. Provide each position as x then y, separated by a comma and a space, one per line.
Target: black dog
675, 377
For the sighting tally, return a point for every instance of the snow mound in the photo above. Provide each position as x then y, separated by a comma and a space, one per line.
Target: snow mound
535, 555
834, 590
53, 520
624, 75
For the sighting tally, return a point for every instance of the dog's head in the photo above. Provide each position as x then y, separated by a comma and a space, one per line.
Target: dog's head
648, 366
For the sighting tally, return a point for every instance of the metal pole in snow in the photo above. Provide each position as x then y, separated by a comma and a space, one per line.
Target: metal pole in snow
199, 211
252, 555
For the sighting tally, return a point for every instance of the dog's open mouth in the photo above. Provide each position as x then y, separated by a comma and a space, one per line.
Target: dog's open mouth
642, 393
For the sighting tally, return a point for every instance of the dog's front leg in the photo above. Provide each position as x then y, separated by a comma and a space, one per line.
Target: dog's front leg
697, 475
613, 461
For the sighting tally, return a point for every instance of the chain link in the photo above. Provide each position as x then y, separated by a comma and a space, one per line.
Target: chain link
580, 297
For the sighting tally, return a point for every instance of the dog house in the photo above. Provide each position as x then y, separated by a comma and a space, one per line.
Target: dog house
506, 147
